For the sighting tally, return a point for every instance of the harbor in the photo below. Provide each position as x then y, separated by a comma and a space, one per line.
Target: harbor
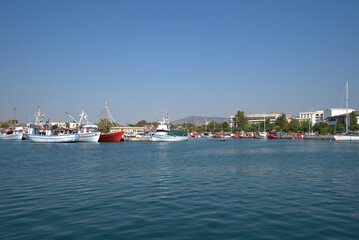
179, 190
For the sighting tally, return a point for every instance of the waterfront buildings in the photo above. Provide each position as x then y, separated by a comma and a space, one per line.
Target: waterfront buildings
331, 112
255, 118
129, 130
334, 120
314, 117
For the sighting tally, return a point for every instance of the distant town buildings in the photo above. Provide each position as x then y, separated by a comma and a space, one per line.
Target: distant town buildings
341, 118
314, 117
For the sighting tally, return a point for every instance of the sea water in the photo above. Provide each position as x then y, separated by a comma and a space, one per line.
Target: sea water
200, 189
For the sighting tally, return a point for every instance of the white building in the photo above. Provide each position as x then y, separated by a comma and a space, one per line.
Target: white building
255, 118
314, 117
336, 115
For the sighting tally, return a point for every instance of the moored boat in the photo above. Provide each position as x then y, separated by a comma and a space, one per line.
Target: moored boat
16, 134
40, 132
65, 138
111, 136
87, 131
347, 136
162, 133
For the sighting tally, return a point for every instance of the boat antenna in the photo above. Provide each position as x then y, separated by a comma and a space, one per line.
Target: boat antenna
106, 117
72, 118
14, 113
347, 112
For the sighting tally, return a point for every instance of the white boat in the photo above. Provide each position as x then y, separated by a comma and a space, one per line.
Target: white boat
162, 135
16, 134
45, 133
65, 138
347, 136
88, 132
262, 135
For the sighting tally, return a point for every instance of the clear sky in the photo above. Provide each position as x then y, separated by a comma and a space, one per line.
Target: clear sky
207, 58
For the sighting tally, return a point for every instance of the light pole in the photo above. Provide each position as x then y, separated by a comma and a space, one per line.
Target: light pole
14, 114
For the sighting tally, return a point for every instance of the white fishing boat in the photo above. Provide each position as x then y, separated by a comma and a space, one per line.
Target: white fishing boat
262, 135
162, 134
15, 134
40, 132
87, 131
347, 136
65, 138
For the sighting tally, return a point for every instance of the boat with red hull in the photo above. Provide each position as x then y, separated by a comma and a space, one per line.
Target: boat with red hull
111, 137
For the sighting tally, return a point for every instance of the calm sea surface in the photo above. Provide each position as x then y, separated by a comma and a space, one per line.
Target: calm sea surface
200, 189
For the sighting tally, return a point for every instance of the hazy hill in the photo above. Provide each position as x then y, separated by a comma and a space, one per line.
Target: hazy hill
199, 120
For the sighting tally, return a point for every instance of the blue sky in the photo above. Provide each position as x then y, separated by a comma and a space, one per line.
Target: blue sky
208, 58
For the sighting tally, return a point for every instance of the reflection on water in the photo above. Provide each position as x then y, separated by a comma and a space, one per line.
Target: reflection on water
200, 189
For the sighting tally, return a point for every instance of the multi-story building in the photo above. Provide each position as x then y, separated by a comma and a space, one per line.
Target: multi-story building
338, 115
314, 117
255, 118
129, 130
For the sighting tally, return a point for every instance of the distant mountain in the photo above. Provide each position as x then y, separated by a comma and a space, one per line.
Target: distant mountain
199, 120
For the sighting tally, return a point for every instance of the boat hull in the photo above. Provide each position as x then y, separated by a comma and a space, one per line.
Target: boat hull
167, 138
346, 138
14, 136
111, 137
67, 138
89, 137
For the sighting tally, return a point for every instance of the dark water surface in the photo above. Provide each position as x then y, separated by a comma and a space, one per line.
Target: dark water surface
201, 189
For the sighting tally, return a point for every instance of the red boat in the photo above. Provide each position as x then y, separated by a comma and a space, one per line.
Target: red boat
273, 135
111, 137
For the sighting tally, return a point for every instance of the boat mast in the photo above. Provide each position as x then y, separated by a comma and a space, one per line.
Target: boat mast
264, 123
106, 118
347, 114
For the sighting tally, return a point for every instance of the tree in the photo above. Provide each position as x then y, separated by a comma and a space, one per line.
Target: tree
102, 125
282, 122
226, 127
304, 126
5, 125
353, 122
141, 123
334, 130
240, 121
294, 125
340, 127
268, 125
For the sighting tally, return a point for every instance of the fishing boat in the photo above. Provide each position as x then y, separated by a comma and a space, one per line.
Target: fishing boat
65, 138
262, 135
273, 135
40, 132
112, 136
12, 134
347, 136
162, 133
87, 131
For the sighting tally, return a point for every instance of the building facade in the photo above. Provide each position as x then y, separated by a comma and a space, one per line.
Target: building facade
129, 130
334, 120
314, 117
255, 118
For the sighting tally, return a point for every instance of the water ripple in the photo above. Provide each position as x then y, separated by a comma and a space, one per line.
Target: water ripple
202, 189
